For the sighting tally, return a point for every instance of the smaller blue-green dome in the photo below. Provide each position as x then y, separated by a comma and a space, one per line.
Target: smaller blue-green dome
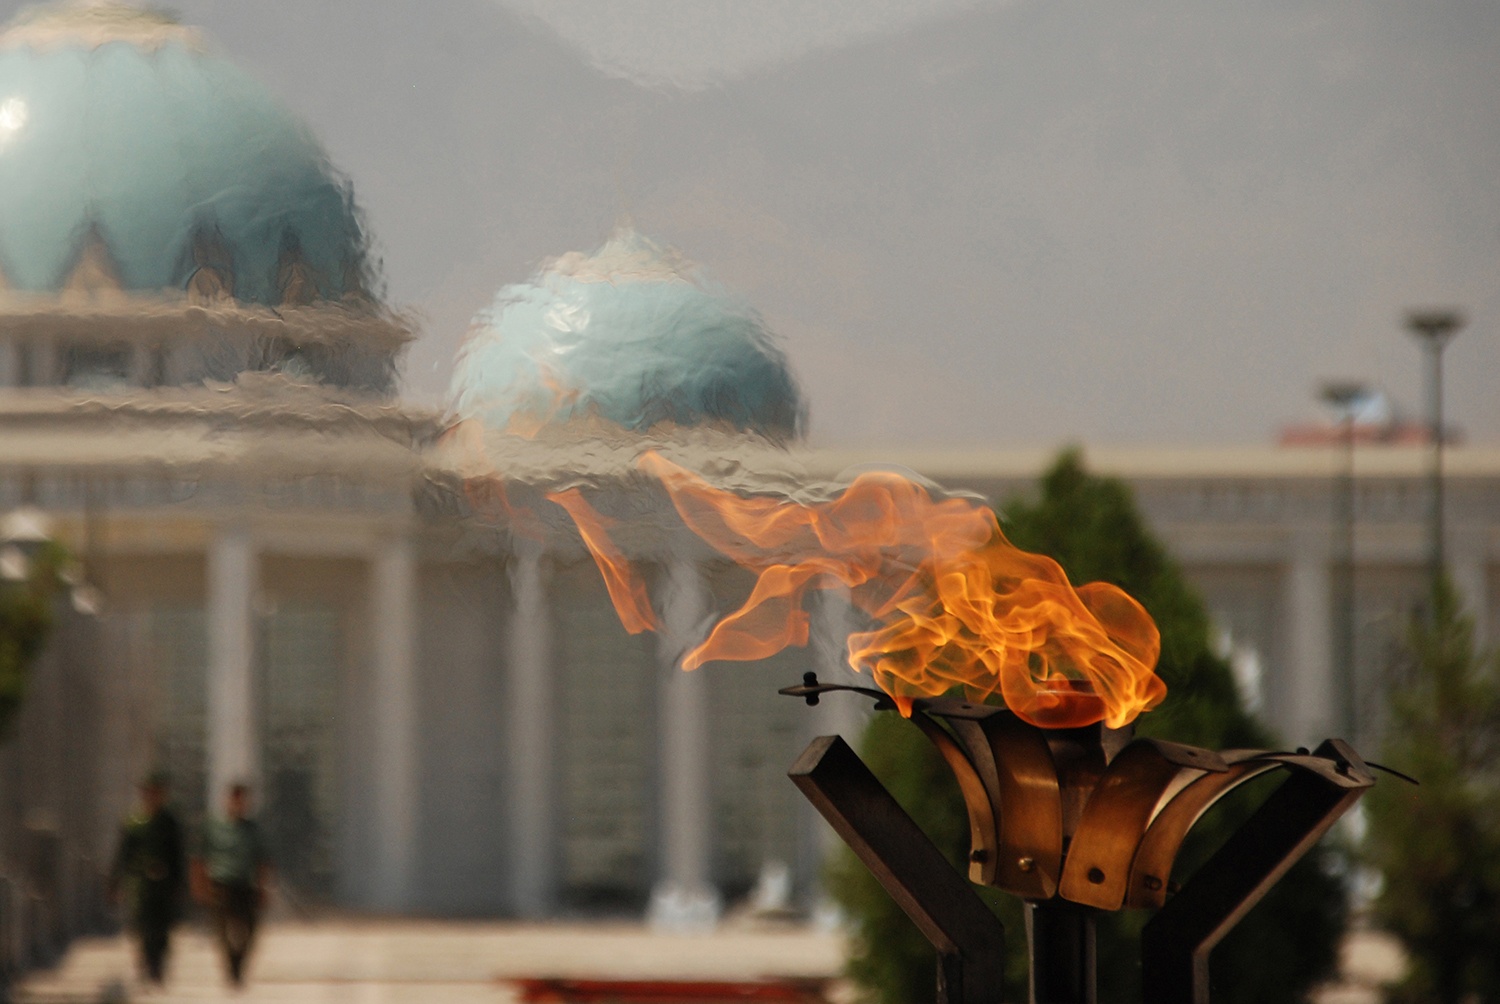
630, 334
120, 126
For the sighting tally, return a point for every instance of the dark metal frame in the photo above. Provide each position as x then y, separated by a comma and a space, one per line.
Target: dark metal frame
970, 940
1176, 942
1074, 822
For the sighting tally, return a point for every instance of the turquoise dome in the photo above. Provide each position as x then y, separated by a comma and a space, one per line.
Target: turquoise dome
630, 334
119, 125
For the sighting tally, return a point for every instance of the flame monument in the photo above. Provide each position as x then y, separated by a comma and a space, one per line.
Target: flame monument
1066, 809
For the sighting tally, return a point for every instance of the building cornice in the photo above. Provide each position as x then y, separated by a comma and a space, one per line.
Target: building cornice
1139, 463
120, 316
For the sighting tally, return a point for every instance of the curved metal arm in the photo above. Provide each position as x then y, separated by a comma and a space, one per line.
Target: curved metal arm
1175, 944
811, 690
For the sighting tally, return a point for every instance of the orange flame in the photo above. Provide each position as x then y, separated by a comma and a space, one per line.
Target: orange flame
527, 424
954, 604
626, 589
482, 487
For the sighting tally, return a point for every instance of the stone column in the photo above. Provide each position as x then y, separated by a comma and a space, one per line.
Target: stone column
833, 620
233, 721
44, 368
142, 365
1307, 698
396, 756
530, 766
684, 898
10, 361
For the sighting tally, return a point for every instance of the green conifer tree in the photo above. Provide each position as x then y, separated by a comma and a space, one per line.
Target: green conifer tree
1286, 945
1438, 846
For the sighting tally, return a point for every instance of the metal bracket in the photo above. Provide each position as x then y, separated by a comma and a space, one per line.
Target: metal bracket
970, 940
1176, 942
1095, 827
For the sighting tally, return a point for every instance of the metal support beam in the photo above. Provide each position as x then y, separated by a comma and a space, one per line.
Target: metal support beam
1176, 943
1064, 954
970, 940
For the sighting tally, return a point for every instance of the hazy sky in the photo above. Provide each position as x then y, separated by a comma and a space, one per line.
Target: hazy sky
693, 44
972, 222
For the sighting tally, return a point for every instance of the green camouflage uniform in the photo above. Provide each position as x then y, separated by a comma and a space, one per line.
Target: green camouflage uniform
151, 871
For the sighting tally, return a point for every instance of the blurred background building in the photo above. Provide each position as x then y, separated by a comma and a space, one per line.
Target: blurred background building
291, 580
198, 382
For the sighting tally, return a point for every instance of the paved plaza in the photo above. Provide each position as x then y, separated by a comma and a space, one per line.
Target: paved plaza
432, 962
395, 962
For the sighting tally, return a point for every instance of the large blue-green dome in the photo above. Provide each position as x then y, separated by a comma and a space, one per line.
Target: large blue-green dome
632, 335
119, 126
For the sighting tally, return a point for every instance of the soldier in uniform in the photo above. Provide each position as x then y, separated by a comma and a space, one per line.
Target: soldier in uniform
150, 873
231, 876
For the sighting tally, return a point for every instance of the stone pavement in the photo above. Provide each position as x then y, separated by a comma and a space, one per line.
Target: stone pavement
433, 962
1368, 960
448, 962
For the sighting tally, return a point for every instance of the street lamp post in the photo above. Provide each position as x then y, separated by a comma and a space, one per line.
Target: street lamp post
1433, 330
1344, 396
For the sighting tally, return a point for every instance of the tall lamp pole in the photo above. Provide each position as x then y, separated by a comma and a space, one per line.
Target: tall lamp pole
1344, 396
1433, 329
